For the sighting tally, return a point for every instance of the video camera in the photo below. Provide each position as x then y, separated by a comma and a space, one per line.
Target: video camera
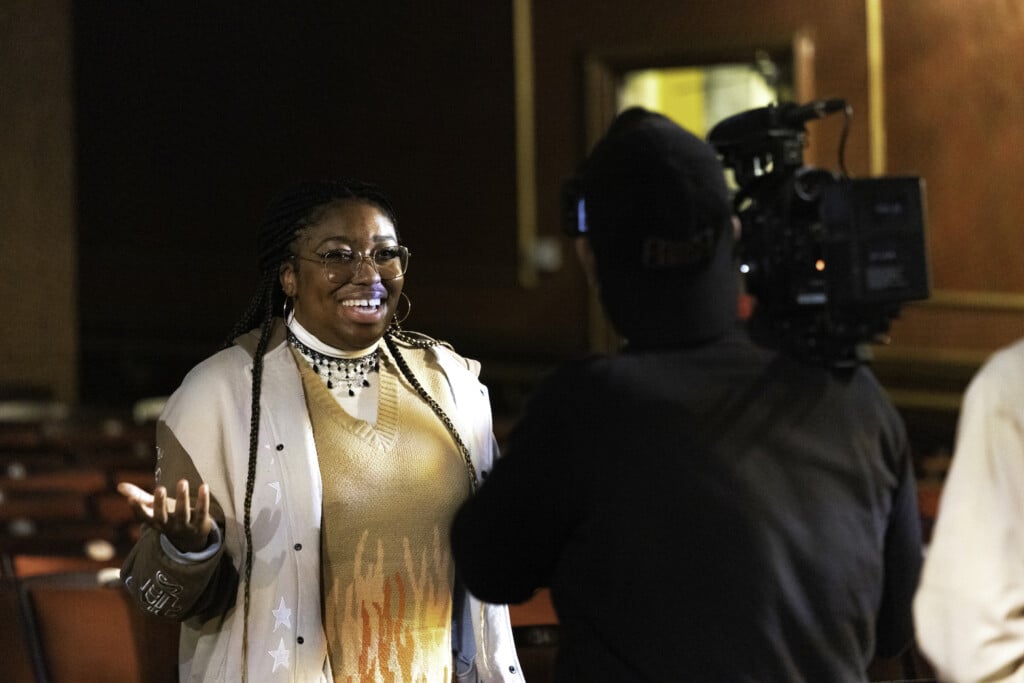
830, 259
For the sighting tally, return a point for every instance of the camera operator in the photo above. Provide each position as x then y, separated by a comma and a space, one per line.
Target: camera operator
702, 508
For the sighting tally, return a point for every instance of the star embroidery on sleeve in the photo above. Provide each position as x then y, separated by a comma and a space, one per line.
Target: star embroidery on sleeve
276, 485
280, 656
282, 615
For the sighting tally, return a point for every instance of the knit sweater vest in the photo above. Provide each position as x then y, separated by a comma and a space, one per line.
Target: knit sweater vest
390, 492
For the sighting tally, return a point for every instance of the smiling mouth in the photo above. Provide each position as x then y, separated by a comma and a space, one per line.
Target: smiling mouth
365, 305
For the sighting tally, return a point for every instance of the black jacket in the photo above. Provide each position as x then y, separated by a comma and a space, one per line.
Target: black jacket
719, 513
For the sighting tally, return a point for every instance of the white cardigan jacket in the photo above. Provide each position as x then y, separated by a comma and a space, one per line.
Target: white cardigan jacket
203, 435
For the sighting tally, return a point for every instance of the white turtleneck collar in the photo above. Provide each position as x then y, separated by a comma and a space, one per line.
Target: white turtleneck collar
363, 405
307, 338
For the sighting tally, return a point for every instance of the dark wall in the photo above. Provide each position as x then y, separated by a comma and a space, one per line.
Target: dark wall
190, 115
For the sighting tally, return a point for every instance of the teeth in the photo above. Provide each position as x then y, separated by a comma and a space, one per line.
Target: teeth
361, 302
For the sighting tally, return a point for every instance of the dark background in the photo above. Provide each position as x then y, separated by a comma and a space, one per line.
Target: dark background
190, 116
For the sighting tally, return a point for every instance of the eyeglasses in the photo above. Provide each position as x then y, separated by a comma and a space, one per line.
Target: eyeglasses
342, 265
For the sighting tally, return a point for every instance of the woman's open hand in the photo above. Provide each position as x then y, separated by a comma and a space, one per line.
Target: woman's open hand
186, 527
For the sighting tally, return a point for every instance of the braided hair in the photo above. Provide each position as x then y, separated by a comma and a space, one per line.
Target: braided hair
297, 208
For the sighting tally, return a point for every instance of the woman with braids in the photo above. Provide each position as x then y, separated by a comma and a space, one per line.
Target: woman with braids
315, 465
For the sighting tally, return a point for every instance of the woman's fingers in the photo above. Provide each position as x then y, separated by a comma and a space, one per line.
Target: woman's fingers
173, 516
140, 501
136, 497
160, 506
182, 508
202, 504
134, 494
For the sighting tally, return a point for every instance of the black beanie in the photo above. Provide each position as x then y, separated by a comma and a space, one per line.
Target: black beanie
657, 212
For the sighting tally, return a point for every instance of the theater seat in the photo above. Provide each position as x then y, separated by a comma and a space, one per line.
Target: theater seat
14, 646
82, 628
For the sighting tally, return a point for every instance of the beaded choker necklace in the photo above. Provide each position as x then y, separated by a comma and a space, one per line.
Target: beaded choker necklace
352, 372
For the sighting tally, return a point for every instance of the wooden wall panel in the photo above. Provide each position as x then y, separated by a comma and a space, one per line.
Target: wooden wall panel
953, 74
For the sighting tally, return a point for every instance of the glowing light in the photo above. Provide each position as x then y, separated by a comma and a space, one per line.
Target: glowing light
99, 549
819, 265
744, 268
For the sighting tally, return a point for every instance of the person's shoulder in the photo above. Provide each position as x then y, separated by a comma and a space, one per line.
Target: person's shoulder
408, 339
226, 366
420, 342
214, 370
1006, 362
429, 349
1002, 373
213, 381
250, 341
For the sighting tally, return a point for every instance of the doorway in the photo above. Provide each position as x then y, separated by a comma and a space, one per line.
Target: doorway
698, 97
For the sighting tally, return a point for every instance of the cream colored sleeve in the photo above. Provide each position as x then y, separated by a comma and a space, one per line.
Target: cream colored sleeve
969, 606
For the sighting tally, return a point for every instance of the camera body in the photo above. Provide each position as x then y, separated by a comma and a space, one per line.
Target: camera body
829, 259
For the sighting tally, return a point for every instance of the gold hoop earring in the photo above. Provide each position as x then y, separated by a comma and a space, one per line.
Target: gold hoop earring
396, 322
